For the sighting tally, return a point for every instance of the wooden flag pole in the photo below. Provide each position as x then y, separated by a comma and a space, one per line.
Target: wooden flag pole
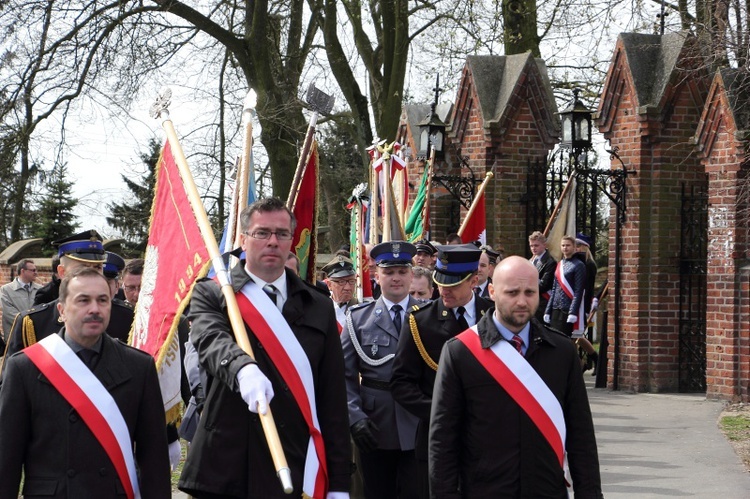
160, 110
473, 206
243, 175
552, 217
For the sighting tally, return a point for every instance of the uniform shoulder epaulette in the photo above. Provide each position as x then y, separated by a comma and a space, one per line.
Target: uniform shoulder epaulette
361, 306
122, 303
36, 308
421, 307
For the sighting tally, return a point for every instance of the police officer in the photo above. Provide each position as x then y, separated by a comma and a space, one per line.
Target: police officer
383, 431
83, 249
424, 334
342, 282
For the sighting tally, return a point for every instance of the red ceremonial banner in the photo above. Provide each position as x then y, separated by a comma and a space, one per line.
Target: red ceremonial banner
176, 257
476, 226
305, 209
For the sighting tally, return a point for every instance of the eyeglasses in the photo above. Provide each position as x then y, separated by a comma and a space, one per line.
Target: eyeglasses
344, 282
131, 289
281, 235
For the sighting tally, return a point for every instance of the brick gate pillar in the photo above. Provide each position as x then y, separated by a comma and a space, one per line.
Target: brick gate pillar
649, 109
722, 139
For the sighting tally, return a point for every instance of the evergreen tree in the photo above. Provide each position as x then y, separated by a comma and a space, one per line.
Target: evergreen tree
132, 217
54, 218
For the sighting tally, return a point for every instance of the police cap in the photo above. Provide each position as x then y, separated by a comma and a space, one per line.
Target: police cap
393, 254
85, 247
455, 263
113, 266
339, 266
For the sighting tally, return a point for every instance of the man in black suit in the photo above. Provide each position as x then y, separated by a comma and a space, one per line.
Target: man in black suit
424, 333
65, 447
298, 370
545, 264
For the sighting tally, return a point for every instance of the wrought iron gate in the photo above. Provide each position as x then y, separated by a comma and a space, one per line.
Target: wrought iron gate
693, 263
545, 182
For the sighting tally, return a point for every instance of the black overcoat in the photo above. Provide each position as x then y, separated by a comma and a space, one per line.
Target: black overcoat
483, 442
229, 456
61, 457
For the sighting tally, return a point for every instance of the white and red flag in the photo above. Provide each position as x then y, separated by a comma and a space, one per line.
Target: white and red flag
176, 257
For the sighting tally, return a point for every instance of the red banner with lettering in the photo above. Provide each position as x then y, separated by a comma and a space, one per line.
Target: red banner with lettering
176, 257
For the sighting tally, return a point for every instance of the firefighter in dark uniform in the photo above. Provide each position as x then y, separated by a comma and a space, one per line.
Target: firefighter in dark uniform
425, 332
383, 431
83, 249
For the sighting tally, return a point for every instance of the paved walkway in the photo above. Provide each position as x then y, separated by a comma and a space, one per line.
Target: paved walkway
662, 445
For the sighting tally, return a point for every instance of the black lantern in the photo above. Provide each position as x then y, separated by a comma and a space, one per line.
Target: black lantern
431, 129
576, 125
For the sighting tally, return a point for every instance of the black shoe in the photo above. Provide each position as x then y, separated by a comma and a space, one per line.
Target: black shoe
594, 358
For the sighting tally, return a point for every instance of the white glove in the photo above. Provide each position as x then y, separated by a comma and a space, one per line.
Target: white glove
255, 388
572, 318
594, 304
546, 318
337, 495
175, 454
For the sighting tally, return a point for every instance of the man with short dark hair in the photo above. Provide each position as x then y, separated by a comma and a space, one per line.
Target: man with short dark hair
545, 265
87, 412
298, 371
423, 335
18, 295
510, 404
132, 275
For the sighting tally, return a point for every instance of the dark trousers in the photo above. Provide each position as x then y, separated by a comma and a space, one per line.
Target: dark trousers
389, 474
559, 321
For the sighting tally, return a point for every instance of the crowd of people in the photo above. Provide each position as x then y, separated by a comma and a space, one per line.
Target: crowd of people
459, 378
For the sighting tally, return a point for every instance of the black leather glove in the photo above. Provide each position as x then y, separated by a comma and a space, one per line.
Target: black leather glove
365, 435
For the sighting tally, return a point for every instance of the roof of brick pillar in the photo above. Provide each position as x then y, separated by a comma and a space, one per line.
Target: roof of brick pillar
496, 82
726, 105
650, 63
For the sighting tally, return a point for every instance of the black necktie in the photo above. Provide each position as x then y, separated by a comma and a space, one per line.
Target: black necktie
270, 290
461, 319
396, 309
87, 356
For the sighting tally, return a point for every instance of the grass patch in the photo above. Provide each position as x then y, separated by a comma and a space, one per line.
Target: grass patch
736, 428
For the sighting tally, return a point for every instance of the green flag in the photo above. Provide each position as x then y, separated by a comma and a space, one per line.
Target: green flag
415, 223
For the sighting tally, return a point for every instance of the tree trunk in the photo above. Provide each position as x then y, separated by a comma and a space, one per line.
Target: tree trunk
520, 35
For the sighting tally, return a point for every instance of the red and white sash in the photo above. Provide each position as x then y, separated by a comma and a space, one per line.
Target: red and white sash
290, 359
580, 322
524, 385
86, 394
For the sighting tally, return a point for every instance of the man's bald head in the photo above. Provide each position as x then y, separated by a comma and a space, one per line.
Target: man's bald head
515, 291
512, 266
